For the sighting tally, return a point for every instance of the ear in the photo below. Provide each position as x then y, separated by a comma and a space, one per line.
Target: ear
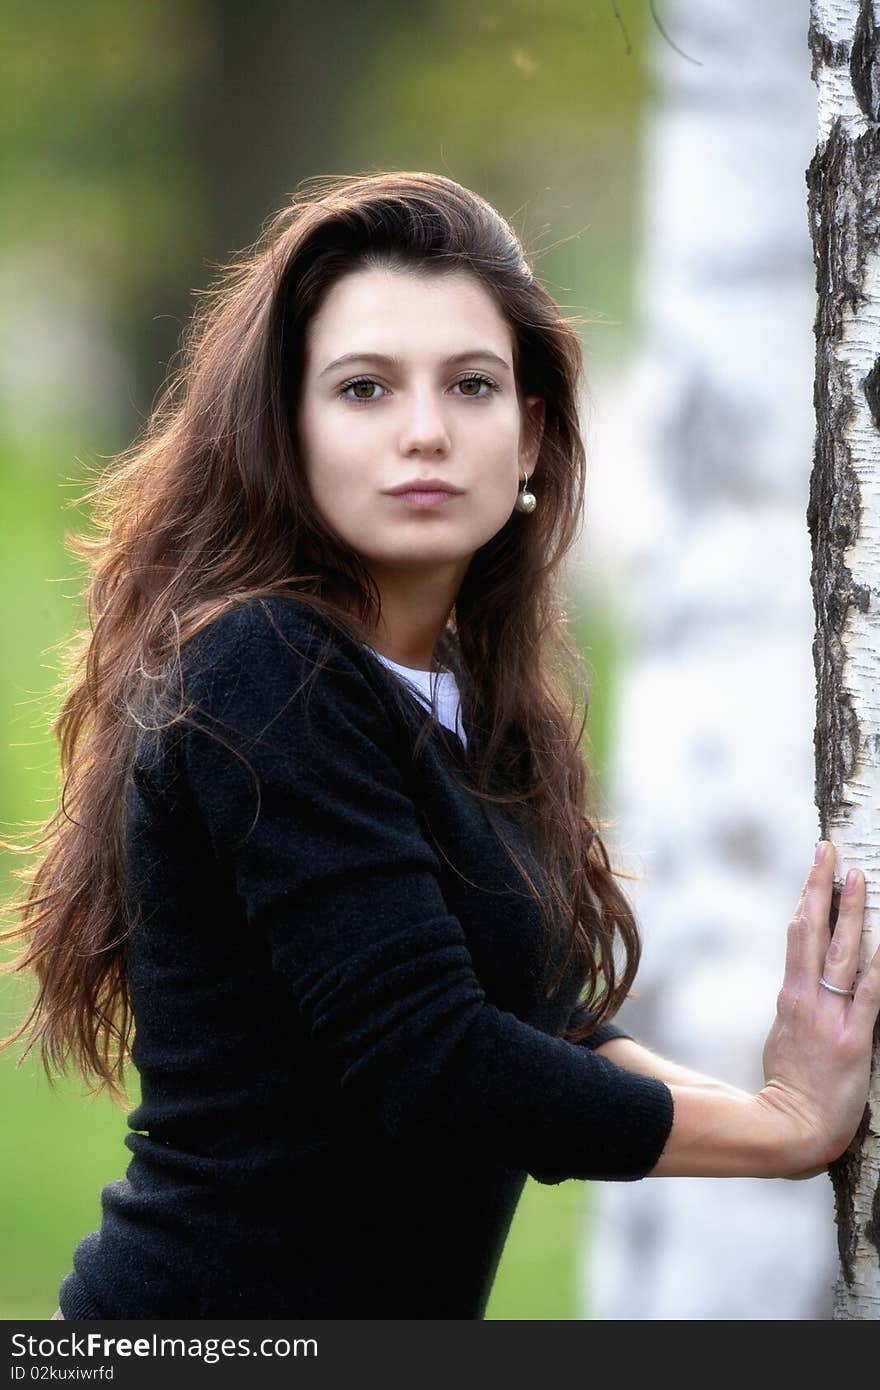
532, 433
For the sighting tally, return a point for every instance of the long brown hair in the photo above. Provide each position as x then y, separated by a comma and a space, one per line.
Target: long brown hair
209, 507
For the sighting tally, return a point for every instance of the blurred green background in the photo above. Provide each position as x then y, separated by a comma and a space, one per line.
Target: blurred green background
144, 145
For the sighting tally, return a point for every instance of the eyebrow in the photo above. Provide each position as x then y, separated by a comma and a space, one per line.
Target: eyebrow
485, 353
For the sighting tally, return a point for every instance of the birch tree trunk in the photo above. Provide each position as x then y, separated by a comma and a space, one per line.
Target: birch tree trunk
844, 203
712, 787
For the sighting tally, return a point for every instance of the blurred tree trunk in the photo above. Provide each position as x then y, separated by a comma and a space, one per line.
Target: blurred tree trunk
844, 202
712, 783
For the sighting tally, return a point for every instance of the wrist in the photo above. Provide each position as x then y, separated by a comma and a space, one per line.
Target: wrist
796, 1148
727, 1134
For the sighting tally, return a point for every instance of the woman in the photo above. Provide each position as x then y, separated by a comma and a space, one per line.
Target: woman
326, 844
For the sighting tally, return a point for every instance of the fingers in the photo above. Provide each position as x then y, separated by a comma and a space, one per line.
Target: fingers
809, 928
866, 1001
841, 960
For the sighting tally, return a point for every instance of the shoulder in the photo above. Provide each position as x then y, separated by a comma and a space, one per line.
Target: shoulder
274, 637
270, 659
253, 623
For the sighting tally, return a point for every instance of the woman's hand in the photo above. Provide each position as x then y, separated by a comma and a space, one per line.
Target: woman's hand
817, 1057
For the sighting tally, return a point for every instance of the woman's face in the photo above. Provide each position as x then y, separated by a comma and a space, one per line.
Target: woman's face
399, 409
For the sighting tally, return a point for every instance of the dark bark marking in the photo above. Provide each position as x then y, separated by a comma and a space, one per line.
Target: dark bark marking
872, 1225
825, 53
872, 392
864, 64
844, 1172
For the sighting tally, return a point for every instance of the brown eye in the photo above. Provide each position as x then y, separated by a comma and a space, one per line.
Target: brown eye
477, 380
356, 385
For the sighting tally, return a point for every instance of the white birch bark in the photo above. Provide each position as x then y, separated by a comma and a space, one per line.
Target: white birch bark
712, 788
844, 184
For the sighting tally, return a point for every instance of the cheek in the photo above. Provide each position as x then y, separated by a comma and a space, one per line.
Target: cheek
501, 470
336, 462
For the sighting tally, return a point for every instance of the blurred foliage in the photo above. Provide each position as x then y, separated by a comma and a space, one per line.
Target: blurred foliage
142, 146
102, 211
537, 106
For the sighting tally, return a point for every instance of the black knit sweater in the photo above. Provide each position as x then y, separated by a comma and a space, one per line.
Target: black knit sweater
347, 1062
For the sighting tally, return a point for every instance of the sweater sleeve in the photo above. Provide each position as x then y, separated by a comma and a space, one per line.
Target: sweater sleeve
600, 1035
604, 1033
306, 802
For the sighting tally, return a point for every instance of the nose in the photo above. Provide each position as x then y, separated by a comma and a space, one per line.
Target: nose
424, 429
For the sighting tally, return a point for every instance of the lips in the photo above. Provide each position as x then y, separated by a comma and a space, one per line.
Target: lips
424, 485
425, 498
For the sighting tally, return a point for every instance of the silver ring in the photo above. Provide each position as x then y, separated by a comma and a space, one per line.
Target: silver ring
835, 989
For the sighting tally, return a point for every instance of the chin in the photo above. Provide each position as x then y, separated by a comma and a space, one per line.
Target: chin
415, 557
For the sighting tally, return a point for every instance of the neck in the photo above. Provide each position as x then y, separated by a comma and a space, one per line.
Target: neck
414, 617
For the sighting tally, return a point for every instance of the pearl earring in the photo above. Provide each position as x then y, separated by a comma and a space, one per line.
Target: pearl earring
526, 501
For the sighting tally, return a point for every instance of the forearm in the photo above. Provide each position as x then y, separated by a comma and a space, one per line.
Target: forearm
625, 1052
716, 1134
718, 1130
